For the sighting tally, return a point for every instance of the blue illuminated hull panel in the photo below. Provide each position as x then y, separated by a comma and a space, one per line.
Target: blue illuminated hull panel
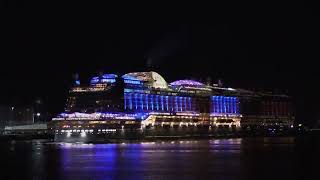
224, 105
153, 103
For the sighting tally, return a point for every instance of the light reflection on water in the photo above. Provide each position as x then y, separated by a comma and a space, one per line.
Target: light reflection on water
182, 159
148, 160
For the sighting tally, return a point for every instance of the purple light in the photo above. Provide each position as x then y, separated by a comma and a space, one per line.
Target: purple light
98, 115
186, 82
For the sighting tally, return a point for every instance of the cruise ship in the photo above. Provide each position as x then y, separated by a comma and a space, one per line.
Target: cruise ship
143, 104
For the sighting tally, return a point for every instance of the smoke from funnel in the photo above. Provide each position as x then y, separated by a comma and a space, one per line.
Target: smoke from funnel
151, 63
169, 45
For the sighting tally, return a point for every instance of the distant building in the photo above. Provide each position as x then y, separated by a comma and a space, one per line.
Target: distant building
11, 115
40, 111
14, 114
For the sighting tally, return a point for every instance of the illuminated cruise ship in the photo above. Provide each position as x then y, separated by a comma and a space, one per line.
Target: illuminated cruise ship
144, 104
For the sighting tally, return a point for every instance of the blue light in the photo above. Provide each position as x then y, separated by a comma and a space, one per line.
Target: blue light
77, 82
176, 103
215, 104
151, 100
222, 104
125, 100
109, 76
106, 78
94, 80
130, 100
227, 104
129, 77
128, 90
234, 103
141, 115
147, 101
141, 101
167, 102
237, 105
136, 100
157, 102
131, 80
218, 105
231, 105
171, 103
162, 105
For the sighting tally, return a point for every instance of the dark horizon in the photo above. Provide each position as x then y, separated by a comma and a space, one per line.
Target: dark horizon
275, 47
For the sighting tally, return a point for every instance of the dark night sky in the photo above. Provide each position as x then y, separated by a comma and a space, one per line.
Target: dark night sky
262, 46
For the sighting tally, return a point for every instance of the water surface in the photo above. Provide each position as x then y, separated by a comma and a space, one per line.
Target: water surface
248, 158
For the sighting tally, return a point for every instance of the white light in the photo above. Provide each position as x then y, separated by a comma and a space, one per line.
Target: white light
83, 134
68, 134
38, 114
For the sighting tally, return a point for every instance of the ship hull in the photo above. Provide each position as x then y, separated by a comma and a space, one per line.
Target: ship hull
118, 135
